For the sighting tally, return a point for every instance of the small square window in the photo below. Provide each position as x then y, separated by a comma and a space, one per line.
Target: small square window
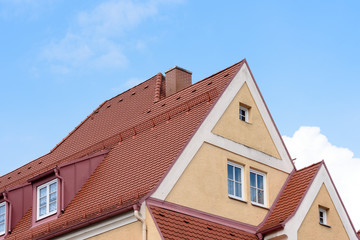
258, 187
243, 113
235, 180
2, 217
47, 199
322, 216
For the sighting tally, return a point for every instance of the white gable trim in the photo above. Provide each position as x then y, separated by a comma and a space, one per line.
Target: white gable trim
245, 151
204, 134
292, 226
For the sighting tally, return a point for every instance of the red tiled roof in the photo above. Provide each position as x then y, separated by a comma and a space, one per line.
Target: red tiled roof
174, 225
144, 138
291, 197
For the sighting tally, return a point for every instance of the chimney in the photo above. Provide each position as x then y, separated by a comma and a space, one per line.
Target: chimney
176, 79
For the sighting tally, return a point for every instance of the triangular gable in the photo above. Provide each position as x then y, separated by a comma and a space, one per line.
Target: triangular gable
253, 132
291, 225
204, 134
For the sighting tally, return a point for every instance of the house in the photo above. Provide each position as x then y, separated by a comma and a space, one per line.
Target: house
168, 159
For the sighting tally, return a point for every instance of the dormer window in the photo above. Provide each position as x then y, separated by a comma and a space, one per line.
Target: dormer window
2, 217
47, 199
243, 113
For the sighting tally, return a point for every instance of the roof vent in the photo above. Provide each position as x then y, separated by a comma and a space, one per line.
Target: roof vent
176, 79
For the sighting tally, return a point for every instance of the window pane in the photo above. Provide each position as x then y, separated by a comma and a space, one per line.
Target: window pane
252, 179
2, 227
260, 181
43, 192
2, 218
230, 172
253, 194
238, 190
321, 214
53, 187
42, 211
230, 187
2, 209
238, 174
52, 207
42, 201
53, 197
260, 196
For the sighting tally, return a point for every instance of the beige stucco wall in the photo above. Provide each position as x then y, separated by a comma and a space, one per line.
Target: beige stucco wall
130, 231
310, 228
203, 185
254, 133
152, 232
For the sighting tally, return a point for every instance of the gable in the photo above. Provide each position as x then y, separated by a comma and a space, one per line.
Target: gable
253, 133
311, 229
204, 134
294, 222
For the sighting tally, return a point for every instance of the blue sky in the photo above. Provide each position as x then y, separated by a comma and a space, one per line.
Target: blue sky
61, 59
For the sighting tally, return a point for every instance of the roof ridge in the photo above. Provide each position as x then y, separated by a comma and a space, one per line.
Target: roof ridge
312, 165
102, 104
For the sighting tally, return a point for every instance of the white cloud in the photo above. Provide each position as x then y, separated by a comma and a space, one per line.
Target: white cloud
308, 146
96, 38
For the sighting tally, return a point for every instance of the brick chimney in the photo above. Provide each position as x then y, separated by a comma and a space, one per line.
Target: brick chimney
176, 79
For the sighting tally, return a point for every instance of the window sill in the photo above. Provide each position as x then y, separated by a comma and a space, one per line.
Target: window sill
260, 206
325, 225
238, 199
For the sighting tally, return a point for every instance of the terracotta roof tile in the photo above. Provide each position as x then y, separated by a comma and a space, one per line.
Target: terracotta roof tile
291, 197
135, 163
175, 225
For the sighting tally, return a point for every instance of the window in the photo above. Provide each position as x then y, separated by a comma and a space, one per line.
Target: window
235, 180
2, 217
243, 113
322, 216
47, 199
257, 187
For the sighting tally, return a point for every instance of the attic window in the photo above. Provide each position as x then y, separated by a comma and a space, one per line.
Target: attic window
2, 217
323, 212
47, 199
244, 112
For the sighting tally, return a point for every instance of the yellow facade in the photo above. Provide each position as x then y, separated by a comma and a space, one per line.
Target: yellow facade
311, 229
130, 231
253, 134
203, 185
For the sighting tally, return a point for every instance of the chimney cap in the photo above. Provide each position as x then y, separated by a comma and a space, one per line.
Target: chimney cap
177, 67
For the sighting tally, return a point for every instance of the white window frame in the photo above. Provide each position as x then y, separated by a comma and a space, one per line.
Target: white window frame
1, 205
241, 179
47, 185
324, 218
264, 184
246, 110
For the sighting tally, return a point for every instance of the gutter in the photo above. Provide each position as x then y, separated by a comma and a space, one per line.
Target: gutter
141, 219
57, 174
